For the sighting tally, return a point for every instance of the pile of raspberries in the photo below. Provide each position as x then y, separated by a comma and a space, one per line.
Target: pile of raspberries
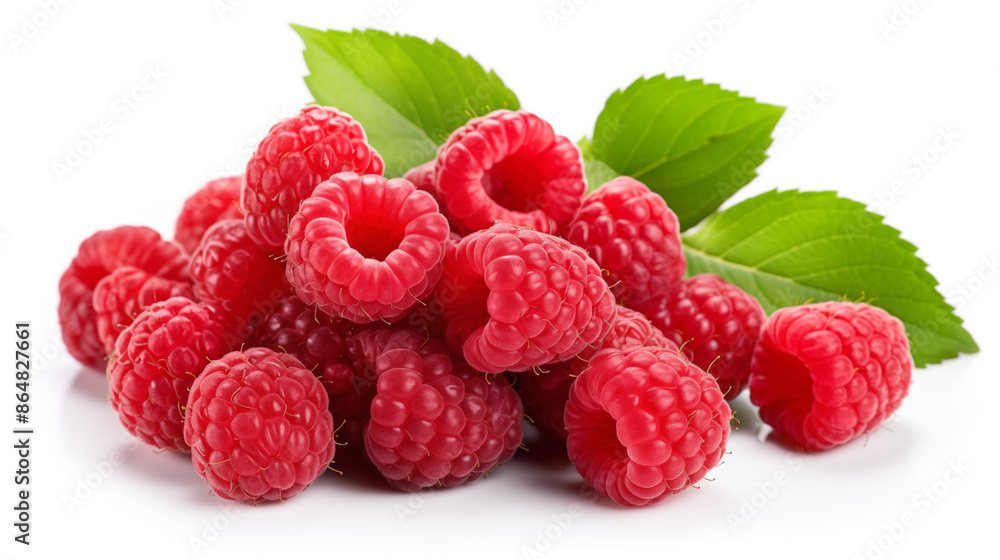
313, 303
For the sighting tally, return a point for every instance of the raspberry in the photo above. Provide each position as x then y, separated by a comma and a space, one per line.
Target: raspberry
216, 201
296, 155
631, 233
422, 177
515, 298
365, 247
509, 166
156, 360
324, 346
434, 421
258, 426
545, 393
716, 325
644, 424
100, 255
120, 296
825, 373
229, 268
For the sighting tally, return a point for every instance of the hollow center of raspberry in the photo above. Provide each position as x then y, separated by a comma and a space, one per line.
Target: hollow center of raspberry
371, 238
517, 183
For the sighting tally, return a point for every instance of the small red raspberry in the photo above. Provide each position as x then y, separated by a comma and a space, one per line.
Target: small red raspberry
633, 236
100, 255
120, 296
156, 360
258, 426
296, 155
229, 268
825, 373
716, 325
422, 177
644, 424
510, 167
218, 200
515, 298
366, 248
434, 421
545, 390
324, 346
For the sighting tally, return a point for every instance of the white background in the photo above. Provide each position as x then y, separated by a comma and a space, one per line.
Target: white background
227, 76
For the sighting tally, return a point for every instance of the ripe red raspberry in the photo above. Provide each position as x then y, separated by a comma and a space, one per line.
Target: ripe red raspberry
545, 390
422, 177
258, 426
229, 268
644, 424
510, 167
324, 346
100, 255
366, 248
633, 236
825, 373
716, 325
435, 421
156, 360
120, 296
514, 298
218, 200
296, 155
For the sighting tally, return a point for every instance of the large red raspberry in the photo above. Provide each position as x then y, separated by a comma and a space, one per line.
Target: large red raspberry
545, 390
296, 155
644, 424
435, 421
511, 167
633, 236
825, 373
516, 298
229, 268
120, 296
100, 255
258, 426
326, 347
365, 247
716, 325
218, 200
156, 360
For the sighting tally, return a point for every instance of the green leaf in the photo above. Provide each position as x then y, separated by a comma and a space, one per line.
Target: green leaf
788, 248
695, 144
407, 93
